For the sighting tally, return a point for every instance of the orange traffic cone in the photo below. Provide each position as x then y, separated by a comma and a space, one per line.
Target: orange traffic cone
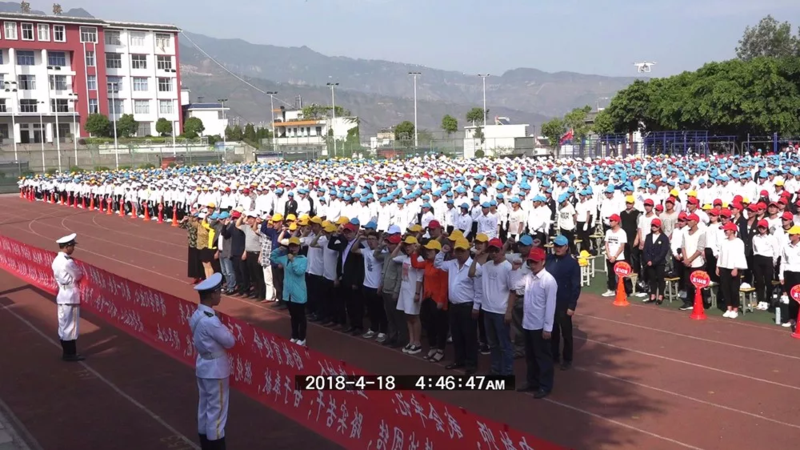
31, 196
52, 198
83, 202
146, 213
699, 311
22, 192
122, 208
134, 211
91, 203
160, 213
110, 204
796, 333
174, 216
621, 299
100, 205
61, 197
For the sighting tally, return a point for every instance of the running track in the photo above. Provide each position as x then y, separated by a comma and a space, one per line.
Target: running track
644, 377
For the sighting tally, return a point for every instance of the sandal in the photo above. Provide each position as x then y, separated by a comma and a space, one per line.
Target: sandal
430, 354
437, 357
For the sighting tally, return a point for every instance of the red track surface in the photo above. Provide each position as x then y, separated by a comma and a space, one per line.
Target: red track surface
644, 378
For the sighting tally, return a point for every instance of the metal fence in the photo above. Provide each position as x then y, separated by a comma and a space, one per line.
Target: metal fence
10, 172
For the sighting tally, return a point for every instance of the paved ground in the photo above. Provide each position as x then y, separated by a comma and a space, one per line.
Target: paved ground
644, 376
13, 435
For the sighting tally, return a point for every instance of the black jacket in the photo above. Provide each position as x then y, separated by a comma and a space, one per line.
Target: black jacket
291, 207
567, 273
351, 273
237, 239
656, 252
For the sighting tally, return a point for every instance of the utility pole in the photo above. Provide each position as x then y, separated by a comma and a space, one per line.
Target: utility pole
272, 95
333, 111
416, 135
484, 76
224, 138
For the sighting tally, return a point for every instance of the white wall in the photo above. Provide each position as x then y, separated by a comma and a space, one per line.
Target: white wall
211, 121
495, 137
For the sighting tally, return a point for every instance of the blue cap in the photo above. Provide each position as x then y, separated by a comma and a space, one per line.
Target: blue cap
371, 225
563, 197
426, 205
560, 240
465, 206
290, 194
211, 283
224, 215
486, 205
526, 240
214, 216
355, 221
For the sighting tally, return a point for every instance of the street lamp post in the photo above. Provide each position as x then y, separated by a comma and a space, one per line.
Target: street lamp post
333, 111
484, 76
113, 88
416, 135
12, 86
54, 105
74, 98
272, 95
224, 139
40, 104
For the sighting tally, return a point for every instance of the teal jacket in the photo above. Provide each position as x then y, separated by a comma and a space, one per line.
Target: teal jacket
294, 275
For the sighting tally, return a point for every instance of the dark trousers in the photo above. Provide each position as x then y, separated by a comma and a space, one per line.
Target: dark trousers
611, 280
354, 302
498, 334
375, 312
790, 280
570, 235
763, 270
517, 314
256, 274
656, 280
690, 287
242, 275
326, 301
464, 331
396, 329
339, 306
314, 289
297, 314
436, 324
539, 359
729, 287
562, 328
584, 236
277, 281
481, 329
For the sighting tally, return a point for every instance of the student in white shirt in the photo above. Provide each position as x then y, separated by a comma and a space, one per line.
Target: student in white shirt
616, 238
694, 246
789, 274
410, 293
373, 271
765, 259
731, 261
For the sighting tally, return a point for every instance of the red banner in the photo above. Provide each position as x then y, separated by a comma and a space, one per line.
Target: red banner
263, 366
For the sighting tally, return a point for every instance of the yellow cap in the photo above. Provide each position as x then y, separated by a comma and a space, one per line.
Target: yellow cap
630, 199
794, 230
410, 240
462, 244
584, 254
291, 217
292, 227
456, 235
583, 262
329, 228
433, 245
707, 207
415, 228
325, 223
316, 219
277, 217
342, 220
745, 200
724, 204
674, 193
779, 183
692, 193
481, 238
302, 222
212, 205
294, 241
304, 217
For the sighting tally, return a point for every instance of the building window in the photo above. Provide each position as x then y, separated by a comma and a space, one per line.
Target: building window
1, 57
140, 84
141, 107
144, 129
26, 82
44, 31
59, 105
94, 108
90, 58
91, 82
139, 61
58, 83
25, 58
115, 106
165, 85
58, 59
163, 41
27, 31
164, 62
59, 35
137, 38
113, 38
89, 34
28, 105
3, 109
113, 61
114, 84
11, 29
165, 107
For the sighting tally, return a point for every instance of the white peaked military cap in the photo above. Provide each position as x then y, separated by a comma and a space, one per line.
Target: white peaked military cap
210, 284
67, 239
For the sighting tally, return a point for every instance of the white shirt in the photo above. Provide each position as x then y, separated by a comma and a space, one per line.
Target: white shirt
497, 281
211, 339
328, 259
372, 268
766, 245
411, 276
731, 254
487, 224
67, 274
615, 240
566, 219
539, 301
790, 259
314, 264
460, 287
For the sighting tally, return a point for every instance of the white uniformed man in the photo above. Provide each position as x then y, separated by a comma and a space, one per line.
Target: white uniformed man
67, 274
211, 339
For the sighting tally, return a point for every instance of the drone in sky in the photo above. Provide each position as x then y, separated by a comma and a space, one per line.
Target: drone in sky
644, 67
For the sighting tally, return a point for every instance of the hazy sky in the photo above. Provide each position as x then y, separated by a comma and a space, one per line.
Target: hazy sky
601, 37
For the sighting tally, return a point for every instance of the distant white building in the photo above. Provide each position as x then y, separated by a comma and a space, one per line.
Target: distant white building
293, 132
500, 138
213, 115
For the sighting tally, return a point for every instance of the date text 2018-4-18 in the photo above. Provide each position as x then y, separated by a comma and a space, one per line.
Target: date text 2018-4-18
404, 382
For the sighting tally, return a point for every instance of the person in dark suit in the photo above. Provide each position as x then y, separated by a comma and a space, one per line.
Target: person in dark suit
350, 271
565, 269
291, 205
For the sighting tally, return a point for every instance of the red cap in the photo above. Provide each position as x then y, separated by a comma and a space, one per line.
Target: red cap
434, 224
692, 201
726, 212
246, 191
763, 224
682, 216
393, 239
753, 207
787, 216
713, 212
614, 217
717, 202
656, 222
670, 200
648, 202
730, 226
537, 254
737, 199
693, 217
782, 201
351, 227
496, 243
764, 193
236, 214
227, 189
761, 205
659, 208
737, 205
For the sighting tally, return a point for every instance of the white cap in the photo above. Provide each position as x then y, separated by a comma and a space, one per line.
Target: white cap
209, 284
284, 242
67, 239
253, 214
394, 229
202, 215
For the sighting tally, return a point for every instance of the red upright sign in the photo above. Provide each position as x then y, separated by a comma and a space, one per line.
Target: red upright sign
622, 269
700, 279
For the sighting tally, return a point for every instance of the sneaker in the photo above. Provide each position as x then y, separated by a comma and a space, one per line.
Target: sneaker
293, 340
687, 307
449, 339
727, 313
786, 324
485, 350
301, 343
430, 354
682, 294
609, 293
368, 335
381, 338
407, 348
642, 294
733, 315
414, 349
648, 300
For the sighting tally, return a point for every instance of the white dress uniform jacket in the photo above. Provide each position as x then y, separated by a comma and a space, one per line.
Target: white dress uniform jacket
67, 274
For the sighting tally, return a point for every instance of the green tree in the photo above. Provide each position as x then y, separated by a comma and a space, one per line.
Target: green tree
163, 127
126, 126
449, 124
475, 116
250, 132
193, 127
769, 38
553, 130
98, 125
404, 132
603, 124
576, 121
234, 133
315, 111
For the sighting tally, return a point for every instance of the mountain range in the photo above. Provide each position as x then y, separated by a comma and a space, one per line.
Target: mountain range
379, 92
